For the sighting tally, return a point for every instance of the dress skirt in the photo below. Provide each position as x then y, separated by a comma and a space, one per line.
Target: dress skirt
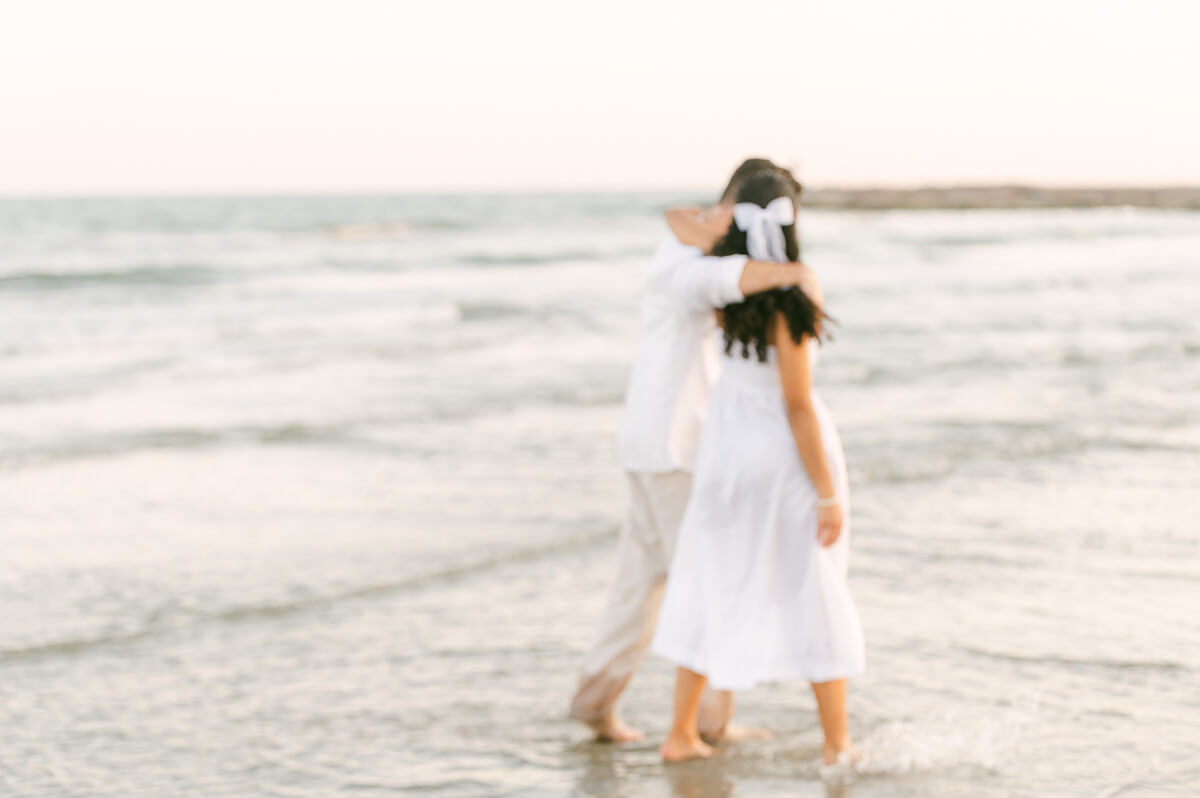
752, 596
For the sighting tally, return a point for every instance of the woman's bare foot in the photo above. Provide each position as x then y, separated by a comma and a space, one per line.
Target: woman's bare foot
843, 752
680, 749
614, 730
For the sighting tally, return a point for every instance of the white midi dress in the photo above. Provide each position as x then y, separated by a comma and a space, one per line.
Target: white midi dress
752, 596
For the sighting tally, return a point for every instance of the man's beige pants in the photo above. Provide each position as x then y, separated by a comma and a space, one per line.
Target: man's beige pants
647, 542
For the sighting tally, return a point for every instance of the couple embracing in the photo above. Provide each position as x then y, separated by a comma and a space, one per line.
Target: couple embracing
732, 558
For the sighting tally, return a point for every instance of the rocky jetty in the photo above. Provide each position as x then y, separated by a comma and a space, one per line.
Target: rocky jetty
951, 197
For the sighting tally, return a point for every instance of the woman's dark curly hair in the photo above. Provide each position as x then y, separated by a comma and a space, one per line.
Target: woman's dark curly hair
750, 321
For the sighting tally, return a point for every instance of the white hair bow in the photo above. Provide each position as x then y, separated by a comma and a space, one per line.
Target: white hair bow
764, 236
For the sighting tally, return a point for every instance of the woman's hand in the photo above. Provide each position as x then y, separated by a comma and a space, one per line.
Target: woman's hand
829, 524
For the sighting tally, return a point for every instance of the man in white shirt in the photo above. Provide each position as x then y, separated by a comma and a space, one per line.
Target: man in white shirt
673, 373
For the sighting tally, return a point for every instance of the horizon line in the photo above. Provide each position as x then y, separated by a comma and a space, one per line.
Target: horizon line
434, 192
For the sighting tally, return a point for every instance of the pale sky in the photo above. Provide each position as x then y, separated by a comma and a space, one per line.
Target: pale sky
134, 96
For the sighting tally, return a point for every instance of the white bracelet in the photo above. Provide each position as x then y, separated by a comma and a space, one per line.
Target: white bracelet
832, 501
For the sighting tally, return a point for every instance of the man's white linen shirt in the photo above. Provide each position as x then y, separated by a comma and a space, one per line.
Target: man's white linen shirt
676, 364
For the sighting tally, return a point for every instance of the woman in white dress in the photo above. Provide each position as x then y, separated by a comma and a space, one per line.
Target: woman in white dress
757, 588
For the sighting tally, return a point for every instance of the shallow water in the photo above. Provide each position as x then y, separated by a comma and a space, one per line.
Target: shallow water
313, 495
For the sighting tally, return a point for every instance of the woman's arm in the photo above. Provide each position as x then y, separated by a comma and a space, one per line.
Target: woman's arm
796, 377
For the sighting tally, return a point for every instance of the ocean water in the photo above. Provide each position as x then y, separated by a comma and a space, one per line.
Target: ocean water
309, 496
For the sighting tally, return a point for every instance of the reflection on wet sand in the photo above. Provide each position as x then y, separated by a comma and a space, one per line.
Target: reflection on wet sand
607, 770
708, 779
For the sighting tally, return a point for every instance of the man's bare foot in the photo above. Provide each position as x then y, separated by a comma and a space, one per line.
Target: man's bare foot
614, 730
680, 749
736, 733
841, 753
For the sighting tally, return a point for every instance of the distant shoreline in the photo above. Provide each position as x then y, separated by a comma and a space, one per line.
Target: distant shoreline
1000, 197
949, 197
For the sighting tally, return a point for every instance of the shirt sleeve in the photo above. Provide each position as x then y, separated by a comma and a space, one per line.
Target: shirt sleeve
703, 282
